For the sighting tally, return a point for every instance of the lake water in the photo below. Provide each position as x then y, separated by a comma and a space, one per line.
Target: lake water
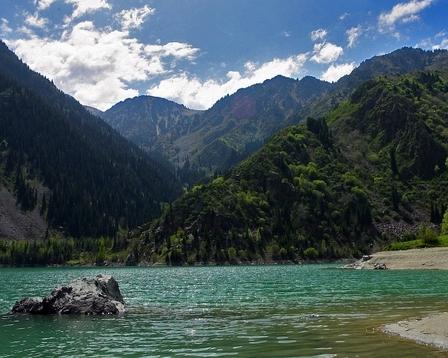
241, 311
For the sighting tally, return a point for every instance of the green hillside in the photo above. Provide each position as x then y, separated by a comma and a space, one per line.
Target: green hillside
372, 170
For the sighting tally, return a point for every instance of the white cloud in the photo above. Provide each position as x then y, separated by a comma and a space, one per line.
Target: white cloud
335, 72
195, 93
286, 34
25, 31
443, 45
4, 27
326, 52
437, 42
178, 50
318, 34
96, 66
43, 4
353, 35
403, 12
425, 43
134, 18
82, 7
344, 16
34, 20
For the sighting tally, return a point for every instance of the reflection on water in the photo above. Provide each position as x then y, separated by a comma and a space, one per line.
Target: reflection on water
250, 311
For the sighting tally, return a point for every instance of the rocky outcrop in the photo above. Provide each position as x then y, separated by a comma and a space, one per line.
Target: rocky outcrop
98, 296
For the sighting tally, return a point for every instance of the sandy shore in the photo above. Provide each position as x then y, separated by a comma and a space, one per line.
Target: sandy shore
435, 258
431, 330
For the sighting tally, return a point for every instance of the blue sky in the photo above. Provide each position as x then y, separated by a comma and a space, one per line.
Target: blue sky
196, 51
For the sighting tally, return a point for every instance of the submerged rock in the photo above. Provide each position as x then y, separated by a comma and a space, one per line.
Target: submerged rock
98, 296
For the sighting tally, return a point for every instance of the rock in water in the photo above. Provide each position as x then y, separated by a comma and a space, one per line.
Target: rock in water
98, 296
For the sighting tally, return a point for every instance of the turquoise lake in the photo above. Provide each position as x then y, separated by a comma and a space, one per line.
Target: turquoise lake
242, 311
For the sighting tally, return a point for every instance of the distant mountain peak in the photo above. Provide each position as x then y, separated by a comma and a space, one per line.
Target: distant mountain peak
276, 79
312, 79
148, 99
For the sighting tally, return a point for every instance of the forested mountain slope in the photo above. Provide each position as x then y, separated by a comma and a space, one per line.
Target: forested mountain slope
374, 167
82, 176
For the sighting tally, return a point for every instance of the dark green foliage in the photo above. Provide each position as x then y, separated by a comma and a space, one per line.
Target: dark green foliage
26, 195
437, 212
101, 253
43, 208
326, 189
311, 253
445, 223
428, 236
395, 198
58, 251
393, 163
189, 174
320, 129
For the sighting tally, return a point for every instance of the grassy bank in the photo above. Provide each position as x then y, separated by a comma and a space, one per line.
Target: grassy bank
419, 243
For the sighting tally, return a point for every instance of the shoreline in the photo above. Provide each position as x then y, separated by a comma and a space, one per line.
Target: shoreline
143, 264
431, 330
434, 258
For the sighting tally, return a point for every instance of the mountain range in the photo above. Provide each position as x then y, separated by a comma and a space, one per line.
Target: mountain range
239, 124
217, 138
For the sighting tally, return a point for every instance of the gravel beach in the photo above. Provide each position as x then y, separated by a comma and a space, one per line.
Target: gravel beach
435, 258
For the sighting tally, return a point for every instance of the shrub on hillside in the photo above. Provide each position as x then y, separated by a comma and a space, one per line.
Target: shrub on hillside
311, 253
428, 236
445, 223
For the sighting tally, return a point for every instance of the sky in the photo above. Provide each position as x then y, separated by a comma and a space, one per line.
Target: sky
196, 51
